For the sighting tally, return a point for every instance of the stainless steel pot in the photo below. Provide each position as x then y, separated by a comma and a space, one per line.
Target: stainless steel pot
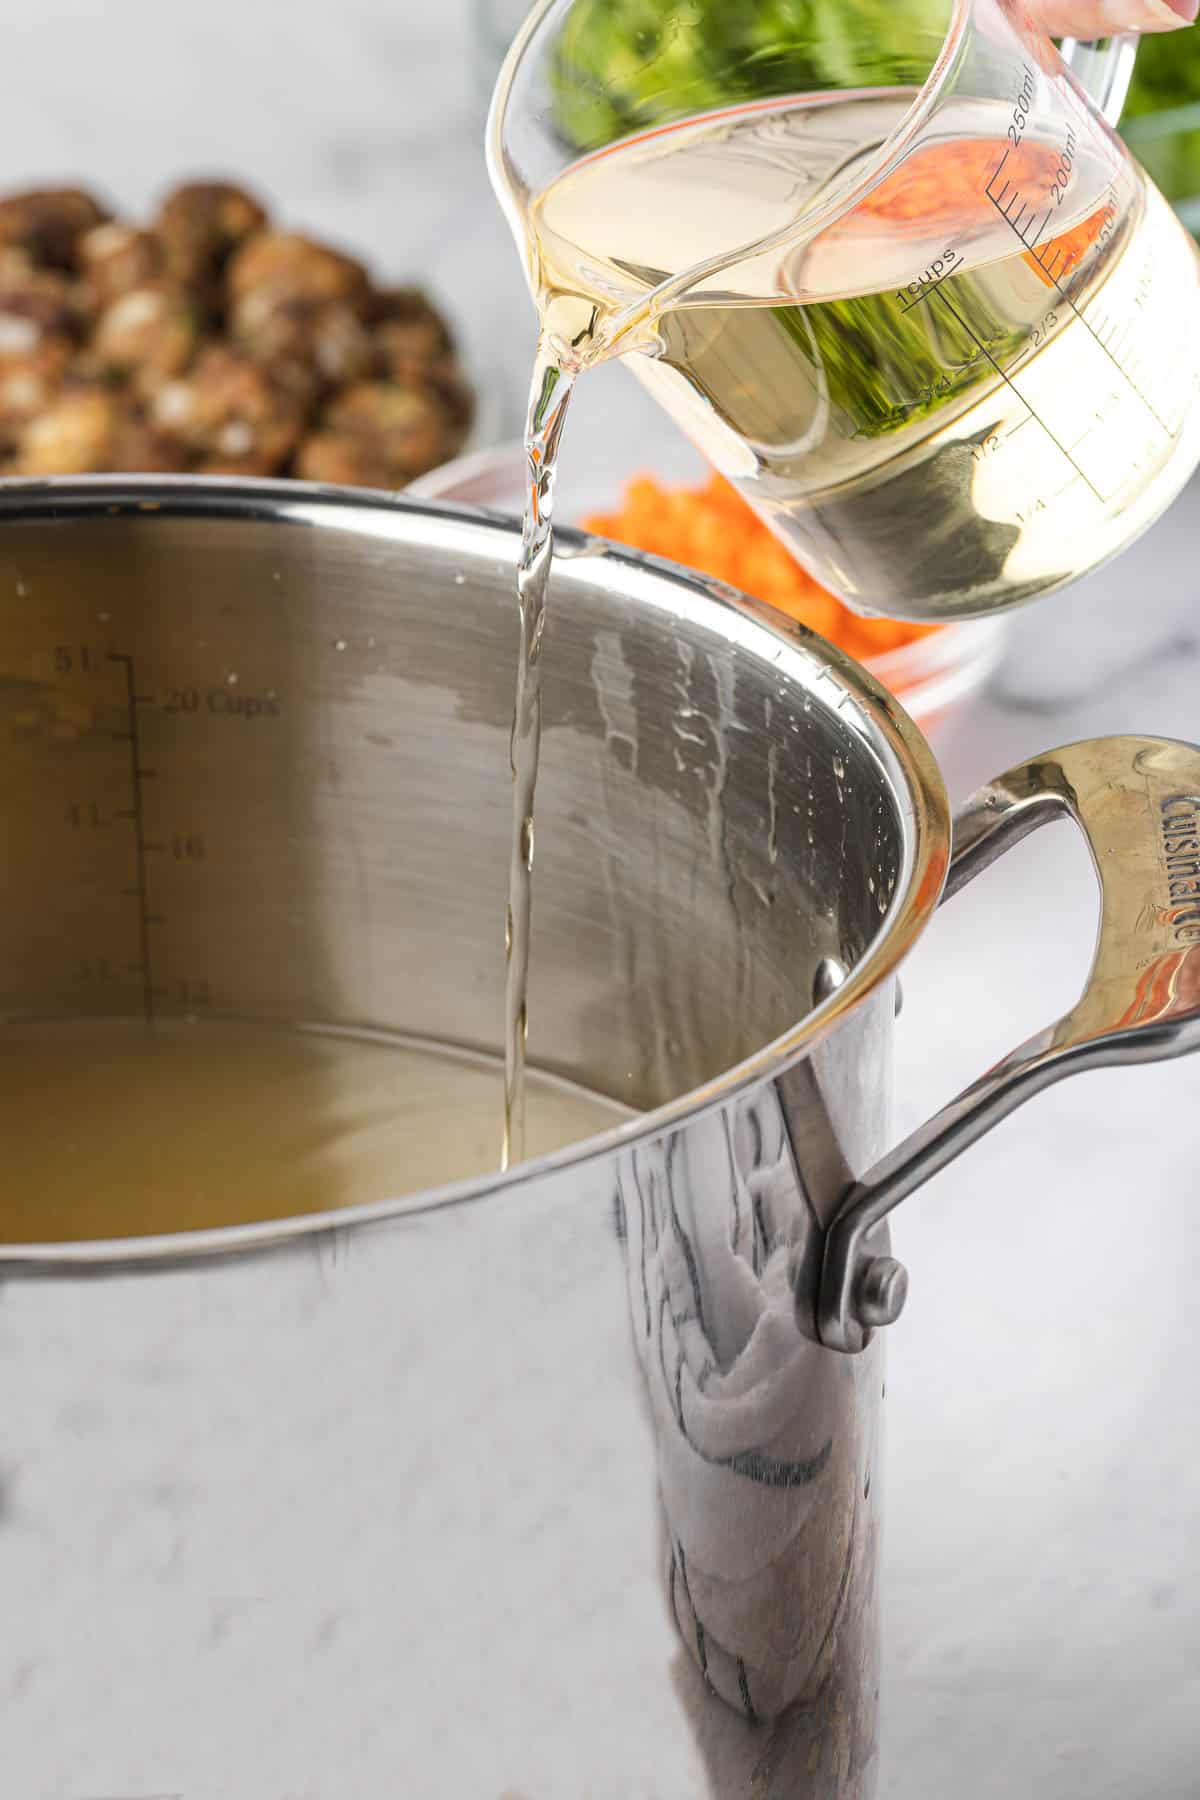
552, 1484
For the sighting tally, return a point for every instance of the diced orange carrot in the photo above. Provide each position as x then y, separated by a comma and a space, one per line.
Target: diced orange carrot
711, 529
884, 634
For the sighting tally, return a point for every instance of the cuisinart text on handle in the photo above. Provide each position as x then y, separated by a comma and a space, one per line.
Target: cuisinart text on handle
1181, 857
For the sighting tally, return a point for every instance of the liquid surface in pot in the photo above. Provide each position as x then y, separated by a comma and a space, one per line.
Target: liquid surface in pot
113, 1128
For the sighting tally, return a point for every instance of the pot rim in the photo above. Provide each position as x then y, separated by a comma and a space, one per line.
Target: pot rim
906, 761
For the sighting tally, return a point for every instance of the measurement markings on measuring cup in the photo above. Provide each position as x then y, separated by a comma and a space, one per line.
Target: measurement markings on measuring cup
138, 776
1012, 207
1009, 383
939, 270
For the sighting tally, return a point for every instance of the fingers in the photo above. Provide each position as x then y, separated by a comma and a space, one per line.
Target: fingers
1087, 19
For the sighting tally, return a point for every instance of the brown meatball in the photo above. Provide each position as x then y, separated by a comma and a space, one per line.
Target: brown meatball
90, 429
16, 265
212, 343
72, 436
377, 435
38, 328
326, 338
47, 223
336, 459
138, 449
295, 376
146, 336
410, 337
454, 391
200, 225
414, 347
277, 266
29, 383
43, 300
229, 415
114, 258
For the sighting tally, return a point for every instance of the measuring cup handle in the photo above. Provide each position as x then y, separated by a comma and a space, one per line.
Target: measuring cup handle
1137, 801
1103, 69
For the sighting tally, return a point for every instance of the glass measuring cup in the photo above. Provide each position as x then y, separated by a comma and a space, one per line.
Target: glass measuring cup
906, 289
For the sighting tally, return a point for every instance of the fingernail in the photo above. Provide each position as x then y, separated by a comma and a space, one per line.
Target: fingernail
1163, 15
1146, 15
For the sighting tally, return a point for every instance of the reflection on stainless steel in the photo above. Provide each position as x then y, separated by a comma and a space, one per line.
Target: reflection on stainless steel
765, 1450
828, 979
545, 1482
1137, 801
424, 1473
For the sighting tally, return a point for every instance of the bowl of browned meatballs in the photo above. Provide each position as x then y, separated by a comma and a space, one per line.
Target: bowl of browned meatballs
211, 342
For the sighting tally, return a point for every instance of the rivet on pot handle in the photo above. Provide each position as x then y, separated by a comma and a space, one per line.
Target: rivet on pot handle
1137, 801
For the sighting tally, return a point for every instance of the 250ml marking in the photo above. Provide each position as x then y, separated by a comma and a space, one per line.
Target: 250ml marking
1023, 105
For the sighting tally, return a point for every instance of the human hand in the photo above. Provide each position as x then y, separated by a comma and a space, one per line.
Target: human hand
1088, 19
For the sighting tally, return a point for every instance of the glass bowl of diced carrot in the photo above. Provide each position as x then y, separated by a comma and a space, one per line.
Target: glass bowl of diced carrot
705, 525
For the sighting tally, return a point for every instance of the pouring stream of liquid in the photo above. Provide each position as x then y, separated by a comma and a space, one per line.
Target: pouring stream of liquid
548, 402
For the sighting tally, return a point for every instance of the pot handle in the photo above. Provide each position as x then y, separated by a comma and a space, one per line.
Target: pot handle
1137, 802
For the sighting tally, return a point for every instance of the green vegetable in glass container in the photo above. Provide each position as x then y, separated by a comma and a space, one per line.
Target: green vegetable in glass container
622, 66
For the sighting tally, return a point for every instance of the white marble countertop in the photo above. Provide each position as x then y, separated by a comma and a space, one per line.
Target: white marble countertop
1043, 1553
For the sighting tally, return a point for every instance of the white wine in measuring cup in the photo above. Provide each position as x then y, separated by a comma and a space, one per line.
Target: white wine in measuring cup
889, 269
947, 390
